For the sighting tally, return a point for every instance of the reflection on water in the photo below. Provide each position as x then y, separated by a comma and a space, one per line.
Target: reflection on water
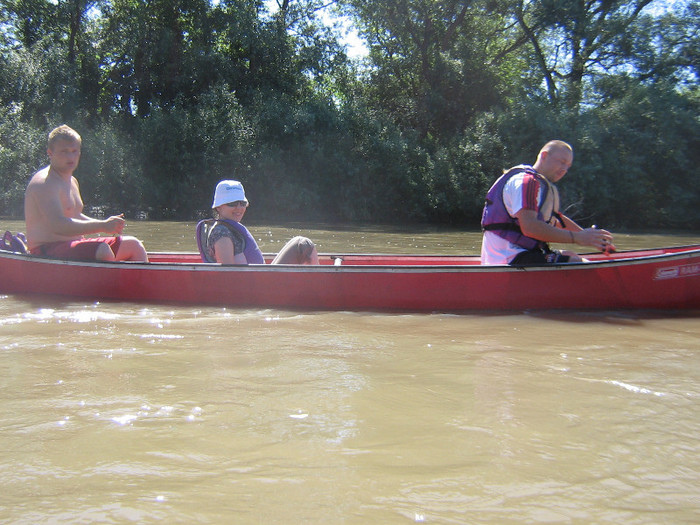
179, 236
119, 412
370, 239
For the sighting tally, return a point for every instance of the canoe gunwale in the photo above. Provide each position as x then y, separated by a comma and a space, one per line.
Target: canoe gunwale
621, 259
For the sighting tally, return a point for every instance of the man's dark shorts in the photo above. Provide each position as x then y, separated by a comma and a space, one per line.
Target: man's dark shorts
77, 250
538, 257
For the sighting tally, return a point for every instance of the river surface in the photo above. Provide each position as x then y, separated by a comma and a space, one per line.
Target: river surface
133, 413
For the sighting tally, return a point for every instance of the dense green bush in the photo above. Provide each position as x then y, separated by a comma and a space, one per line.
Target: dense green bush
172, 98
22, 152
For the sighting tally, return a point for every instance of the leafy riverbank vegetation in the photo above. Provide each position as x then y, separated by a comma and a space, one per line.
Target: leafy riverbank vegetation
170, 96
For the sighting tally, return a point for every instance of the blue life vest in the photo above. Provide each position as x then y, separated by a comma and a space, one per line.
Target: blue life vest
496, 218
252, 252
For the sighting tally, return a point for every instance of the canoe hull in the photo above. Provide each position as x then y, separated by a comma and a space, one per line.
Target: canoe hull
655, 279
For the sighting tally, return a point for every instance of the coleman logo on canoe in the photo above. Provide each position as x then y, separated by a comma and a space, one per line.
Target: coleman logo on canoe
678, 271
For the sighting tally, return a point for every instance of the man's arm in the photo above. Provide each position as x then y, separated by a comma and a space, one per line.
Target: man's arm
47, 202
569, 224
531, 226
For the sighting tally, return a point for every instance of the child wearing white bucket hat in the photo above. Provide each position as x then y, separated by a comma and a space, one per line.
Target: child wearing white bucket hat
225, 240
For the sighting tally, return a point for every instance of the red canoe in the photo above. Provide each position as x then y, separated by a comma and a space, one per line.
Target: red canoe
664, 278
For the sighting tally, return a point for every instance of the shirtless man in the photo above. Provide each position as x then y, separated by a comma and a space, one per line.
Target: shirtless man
53, 211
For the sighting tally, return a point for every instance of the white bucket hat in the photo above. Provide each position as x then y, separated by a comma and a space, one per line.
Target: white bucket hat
228, 191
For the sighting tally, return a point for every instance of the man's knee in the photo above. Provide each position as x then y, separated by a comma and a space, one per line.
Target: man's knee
131, 249
104, 252
298, 250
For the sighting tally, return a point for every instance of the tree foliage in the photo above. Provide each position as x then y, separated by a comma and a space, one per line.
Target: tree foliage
171, 96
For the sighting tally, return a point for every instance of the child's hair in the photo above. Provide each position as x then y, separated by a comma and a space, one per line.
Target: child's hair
63, 133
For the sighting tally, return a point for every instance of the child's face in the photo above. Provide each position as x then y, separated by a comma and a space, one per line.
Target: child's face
64, 155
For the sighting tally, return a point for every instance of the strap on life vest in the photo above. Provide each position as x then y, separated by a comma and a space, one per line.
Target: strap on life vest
515, 227
201, 234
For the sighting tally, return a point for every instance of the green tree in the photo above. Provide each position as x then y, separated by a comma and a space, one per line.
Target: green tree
172, 95
576, 40
432, 66
673, 54
148, 49
28, 22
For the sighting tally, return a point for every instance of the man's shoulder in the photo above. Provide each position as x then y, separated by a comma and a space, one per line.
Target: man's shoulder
38, 185
524, 175
44, 177
516, 179
39, 177
520, 168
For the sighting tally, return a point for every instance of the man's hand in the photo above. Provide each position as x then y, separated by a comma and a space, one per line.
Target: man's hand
114, 225
599, 239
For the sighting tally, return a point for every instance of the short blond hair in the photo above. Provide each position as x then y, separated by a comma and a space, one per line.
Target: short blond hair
64, 132
557, 145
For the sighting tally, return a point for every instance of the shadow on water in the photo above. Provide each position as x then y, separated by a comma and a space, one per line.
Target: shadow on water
613, 317
55, 302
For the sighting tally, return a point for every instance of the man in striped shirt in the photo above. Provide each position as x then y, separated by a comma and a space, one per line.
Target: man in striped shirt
522, 216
